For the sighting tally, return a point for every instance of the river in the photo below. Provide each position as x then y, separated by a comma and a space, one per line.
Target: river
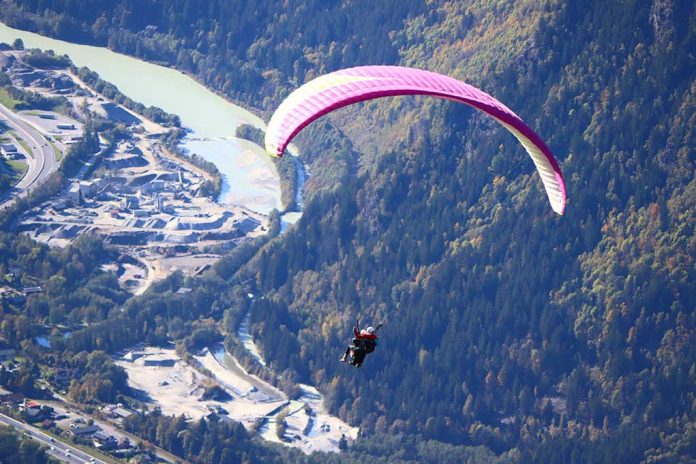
249, 177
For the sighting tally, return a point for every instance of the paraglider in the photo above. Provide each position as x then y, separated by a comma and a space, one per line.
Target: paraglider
347, 86
364, 343
352, 85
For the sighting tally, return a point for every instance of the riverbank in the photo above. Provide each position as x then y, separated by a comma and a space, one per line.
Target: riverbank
249, 177
153, 207
131, 200
322, 431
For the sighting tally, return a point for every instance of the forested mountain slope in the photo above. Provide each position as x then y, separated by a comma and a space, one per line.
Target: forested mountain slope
567, 338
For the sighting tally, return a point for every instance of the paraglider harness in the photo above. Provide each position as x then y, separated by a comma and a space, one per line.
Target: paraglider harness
361, 347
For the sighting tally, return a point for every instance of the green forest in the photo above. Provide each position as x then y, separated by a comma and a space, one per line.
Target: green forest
20, 450
511, 333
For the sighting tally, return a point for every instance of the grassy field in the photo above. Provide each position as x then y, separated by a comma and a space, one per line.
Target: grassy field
13, 169
56, 152
18, 167
8, 101
25, 146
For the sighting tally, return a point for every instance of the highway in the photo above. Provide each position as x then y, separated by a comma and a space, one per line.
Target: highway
108, 428
57, 449
41, 160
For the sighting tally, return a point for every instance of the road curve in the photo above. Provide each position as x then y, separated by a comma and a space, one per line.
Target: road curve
57, 449
42, 162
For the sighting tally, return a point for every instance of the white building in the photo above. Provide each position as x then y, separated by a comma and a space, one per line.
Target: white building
9, 150
131, 202
88, 189
74, 195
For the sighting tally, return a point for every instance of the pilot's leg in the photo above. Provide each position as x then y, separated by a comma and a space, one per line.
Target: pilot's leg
353, 356
345, 355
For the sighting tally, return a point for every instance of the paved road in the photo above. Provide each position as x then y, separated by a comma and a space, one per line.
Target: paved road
42, 161
61, 407
57, 449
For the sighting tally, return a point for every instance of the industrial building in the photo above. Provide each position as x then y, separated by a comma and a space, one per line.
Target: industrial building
74, 195
9, 150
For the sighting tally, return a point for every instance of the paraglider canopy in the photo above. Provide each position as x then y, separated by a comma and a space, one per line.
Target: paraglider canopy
346, 86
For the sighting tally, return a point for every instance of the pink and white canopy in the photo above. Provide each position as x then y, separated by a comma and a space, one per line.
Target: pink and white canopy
341, 88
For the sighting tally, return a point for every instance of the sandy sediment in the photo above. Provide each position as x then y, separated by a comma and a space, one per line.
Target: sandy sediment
178, 388
166, 381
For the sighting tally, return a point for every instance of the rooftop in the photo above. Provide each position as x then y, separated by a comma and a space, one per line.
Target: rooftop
86, 430
8, 147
